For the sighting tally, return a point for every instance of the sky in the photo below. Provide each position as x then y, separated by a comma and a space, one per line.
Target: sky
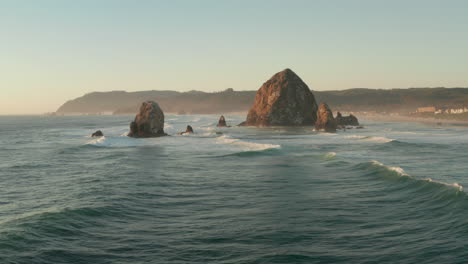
52, 51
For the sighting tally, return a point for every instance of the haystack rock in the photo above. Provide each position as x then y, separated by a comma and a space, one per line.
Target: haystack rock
350, 120
97, 134
149, 122
221, 122
284, 100
325, 120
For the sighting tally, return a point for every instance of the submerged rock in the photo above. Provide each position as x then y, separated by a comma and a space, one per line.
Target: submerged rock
188, 130
221, 122
350, 120
325, 120
149, 122
97, 134
284, 100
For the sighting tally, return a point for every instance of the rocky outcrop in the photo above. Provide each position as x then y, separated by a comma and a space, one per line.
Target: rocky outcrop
284, 100
325, 120
149, 122
221, 122
350, 120
97, 134
188, 130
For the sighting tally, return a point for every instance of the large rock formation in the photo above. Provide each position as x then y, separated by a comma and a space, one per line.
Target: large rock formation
325, 120
284, 100
149, 122
221, 122
350, 120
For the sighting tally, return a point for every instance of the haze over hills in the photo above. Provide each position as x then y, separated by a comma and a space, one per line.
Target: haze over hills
229, 100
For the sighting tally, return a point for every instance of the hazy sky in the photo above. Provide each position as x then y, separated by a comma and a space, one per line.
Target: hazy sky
53, 51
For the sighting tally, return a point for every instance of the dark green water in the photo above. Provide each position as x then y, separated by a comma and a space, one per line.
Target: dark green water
390, 193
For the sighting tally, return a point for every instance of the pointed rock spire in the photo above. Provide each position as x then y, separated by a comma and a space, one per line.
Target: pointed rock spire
284, 100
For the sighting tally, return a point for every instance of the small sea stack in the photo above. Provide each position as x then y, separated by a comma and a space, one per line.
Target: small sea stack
284, 100
97, 134
350, 120
325, 120
188, 130
221, 122
149, 122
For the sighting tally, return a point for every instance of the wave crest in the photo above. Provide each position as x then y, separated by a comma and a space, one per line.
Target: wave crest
397, 170
248, 146
401, 173
371, 139
122, 141
455, 185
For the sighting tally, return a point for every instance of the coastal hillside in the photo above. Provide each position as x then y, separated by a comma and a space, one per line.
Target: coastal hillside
229, 100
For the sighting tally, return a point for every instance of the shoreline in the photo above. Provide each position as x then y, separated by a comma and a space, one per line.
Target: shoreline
408, 119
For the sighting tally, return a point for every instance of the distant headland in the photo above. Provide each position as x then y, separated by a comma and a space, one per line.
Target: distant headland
383, 101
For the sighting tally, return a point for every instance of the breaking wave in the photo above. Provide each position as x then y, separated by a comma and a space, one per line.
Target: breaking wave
245, 145
452, 185
395, 171
122, 141
398, 170
330, 155
371, 139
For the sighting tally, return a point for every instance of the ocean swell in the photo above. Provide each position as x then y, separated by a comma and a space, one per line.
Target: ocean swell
370, 139
397, 173
245, 145
120, 141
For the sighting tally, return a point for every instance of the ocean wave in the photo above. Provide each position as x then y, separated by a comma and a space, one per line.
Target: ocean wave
398, 170
57, 214
453, 185
122, 141
328, 134
431, 146
370, 139
248, 146
250, 153
401, 173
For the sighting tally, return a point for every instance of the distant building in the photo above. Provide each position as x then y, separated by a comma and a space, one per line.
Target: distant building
457, 110
428, 109
451, 111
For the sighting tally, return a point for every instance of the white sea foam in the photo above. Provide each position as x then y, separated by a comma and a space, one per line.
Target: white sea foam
398, 170
371, 139
328, 134
248, 146
122, 141
330, 155
453, 185
401, 172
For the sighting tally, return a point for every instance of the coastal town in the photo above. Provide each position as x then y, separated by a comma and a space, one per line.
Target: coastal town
443, 110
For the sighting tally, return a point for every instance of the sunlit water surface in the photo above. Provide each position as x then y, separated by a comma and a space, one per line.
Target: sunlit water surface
389, 193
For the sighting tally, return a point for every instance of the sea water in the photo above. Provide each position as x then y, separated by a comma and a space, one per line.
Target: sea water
388, 193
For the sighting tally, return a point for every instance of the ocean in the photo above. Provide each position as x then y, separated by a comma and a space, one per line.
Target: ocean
388, 193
